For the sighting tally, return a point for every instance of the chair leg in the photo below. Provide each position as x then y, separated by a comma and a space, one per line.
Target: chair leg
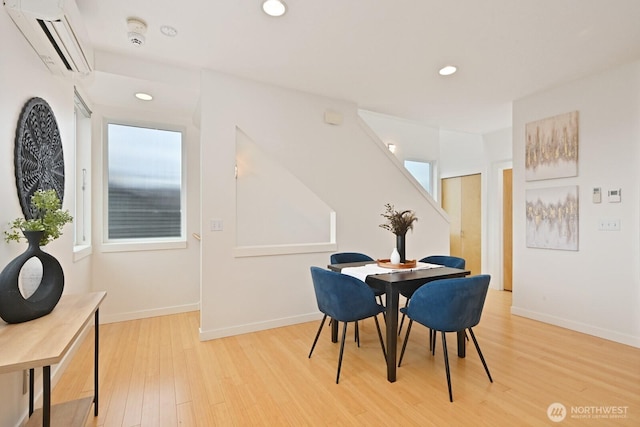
486, 368
318, 335
356, 335
406, 303
432, 341
344, 334
384, 351
384, 314
406, 340
446, 365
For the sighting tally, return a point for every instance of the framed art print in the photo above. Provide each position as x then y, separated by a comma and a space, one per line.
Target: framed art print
551, 147
552, 218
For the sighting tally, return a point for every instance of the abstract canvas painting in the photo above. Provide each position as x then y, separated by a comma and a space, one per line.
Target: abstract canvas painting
552, 218
551, 147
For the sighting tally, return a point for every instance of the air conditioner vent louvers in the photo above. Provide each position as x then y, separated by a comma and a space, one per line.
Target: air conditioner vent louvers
47, 59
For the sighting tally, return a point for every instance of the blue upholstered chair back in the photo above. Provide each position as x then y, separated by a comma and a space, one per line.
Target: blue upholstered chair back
446, 260
450, 305
343, 298
342, 257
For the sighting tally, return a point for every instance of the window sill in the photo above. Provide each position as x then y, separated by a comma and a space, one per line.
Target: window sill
134, 246
81, 251
249, 251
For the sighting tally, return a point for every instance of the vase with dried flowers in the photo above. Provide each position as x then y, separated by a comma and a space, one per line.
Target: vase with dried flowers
399, 222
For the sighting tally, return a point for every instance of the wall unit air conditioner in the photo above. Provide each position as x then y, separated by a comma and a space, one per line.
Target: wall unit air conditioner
55, 30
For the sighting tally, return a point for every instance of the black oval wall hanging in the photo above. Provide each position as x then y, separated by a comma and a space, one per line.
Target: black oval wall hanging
39, 161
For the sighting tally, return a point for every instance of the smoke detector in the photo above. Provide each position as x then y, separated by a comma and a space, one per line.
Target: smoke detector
137, 29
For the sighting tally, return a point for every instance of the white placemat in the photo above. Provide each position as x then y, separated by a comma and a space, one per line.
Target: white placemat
368, 269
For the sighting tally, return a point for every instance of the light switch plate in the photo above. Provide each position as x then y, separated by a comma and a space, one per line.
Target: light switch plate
609, 224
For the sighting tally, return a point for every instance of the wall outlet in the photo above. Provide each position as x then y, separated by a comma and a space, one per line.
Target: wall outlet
609, 225
217, 224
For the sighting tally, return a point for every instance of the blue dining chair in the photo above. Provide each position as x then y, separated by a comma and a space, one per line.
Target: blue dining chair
449, 305
343, 257
344, 299
447, 261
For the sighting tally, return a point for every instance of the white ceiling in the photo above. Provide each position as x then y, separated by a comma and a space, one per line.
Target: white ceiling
383, 55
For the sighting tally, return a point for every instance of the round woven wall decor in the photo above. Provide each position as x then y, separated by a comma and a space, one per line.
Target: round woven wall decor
39, 161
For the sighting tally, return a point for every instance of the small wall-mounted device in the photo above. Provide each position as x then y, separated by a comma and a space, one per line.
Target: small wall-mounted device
615, 196
332, 117
597, 195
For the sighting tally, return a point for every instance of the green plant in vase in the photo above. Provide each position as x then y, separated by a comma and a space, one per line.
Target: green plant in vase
48, 218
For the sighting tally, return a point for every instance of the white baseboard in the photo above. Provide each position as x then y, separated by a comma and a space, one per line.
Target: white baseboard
578, 326
143, 314
258, 326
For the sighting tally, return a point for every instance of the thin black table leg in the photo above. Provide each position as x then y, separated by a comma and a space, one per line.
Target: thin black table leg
46, 396
32, 375
95, 364
462, 344
393, 298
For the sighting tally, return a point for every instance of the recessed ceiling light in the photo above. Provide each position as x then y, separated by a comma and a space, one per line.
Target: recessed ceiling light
274, 7
144, 96
448, 70
168, 31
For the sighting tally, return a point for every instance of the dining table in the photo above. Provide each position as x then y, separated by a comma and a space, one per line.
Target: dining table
393, 282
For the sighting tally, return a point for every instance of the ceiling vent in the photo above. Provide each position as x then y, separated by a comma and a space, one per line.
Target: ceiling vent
55, 30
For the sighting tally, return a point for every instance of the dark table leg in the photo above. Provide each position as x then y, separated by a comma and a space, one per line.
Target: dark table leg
95, 364
334, 331
46, 396
462, 344
32, 376
392, 331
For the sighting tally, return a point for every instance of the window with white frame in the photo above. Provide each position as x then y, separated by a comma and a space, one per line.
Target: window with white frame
82, 165
144, 199
423, 172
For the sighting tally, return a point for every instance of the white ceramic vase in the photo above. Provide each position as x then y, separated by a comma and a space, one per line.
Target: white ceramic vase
395, 256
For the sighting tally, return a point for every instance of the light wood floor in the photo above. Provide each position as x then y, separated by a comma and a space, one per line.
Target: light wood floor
155, 372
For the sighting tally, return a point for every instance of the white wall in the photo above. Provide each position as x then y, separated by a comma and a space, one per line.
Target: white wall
146, 283
460, 154
497, 157
465, 154
23, 76
456, 154
349, 170
414, 141
596, 289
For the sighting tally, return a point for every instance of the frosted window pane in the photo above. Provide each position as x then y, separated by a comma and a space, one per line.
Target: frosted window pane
145, 176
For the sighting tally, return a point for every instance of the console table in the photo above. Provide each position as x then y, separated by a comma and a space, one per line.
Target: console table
44, 342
